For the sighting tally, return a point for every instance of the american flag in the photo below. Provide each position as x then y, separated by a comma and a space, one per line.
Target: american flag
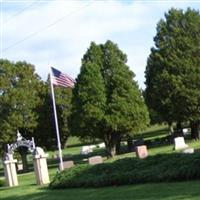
60, 79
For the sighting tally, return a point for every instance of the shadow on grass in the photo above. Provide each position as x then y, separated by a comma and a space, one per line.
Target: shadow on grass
170, 191
153, 133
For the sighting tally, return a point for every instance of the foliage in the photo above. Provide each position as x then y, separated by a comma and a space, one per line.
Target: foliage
26, 105
173, 70
159, 168
19, 97
107, 102
45, 133
2, 183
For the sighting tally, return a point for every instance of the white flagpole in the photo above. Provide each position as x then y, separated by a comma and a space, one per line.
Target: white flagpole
56, 123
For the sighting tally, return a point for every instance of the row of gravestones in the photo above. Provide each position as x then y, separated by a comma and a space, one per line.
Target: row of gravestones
141, 152
94, 160
179, 144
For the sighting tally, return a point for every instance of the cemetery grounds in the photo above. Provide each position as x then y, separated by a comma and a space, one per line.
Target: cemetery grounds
27, 189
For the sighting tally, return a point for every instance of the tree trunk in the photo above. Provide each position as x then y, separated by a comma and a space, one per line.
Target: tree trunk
195, 130
118, 145
179, 130
23, 154
111, 151
171, 128
130, 144
110, 142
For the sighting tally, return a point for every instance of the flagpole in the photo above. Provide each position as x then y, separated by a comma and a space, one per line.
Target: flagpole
56, 123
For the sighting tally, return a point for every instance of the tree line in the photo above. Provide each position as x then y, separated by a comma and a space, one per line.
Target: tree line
106, 101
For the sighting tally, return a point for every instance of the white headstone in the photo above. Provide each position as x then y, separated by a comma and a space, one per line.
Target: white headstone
85, 150
92, 146
188, 150
101, 145
186, 131
179, 143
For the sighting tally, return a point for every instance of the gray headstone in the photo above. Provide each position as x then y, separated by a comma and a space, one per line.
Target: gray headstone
95, 160
68, 164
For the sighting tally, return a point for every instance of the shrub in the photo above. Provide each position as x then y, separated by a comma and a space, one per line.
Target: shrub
159, 168
2, 183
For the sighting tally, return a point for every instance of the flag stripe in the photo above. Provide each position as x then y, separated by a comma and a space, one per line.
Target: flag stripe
60, 79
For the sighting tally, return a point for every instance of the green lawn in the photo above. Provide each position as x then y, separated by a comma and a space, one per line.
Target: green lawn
164, 191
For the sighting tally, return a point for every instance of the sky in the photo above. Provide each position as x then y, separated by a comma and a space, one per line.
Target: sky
58, 32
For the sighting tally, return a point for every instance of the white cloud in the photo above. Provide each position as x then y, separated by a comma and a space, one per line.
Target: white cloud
66, 29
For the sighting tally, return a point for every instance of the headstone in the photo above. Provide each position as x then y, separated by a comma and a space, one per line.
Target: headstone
19, 166
141, 151
95, 160
92, 146
86, 150
188, 150
186, 131
179, 143
101, 145
68, 164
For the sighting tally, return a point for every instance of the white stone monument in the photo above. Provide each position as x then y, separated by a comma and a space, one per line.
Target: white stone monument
179, 143
10, 170
86, 150
40, 166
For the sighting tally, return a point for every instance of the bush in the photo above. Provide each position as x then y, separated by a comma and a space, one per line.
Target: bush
159, 168
2, 183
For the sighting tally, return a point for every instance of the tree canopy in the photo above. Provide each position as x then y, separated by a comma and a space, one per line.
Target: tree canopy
106, 102
19, 97
26, 105
173, 68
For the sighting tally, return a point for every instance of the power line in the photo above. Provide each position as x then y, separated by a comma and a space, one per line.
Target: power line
46, 27
21, 11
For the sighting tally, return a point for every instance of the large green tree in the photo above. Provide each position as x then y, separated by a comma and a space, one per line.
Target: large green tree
26, 105
173, 69
107, 102
19, 97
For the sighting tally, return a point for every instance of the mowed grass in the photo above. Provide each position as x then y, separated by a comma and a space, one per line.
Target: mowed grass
28, 189
165, 191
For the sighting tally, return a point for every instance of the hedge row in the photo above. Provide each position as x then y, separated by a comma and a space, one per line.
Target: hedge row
159, 168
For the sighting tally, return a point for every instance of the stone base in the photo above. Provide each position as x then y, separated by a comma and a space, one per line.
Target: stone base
188, 150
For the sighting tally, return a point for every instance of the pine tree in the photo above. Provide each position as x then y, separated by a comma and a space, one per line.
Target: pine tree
173, 69
107, 102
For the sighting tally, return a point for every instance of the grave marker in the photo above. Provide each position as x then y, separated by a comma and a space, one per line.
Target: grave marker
179, 143
141, 151
95, 160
